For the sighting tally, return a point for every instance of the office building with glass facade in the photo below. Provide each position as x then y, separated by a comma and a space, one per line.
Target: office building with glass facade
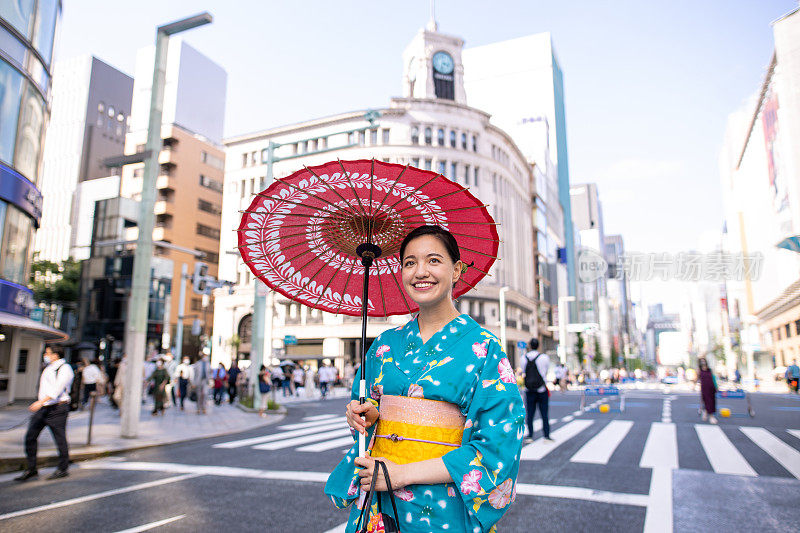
27, 32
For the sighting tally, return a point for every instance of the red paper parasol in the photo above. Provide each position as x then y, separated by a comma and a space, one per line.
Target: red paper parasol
301, 235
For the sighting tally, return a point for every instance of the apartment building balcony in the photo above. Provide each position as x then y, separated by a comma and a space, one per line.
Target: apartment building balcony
165, 181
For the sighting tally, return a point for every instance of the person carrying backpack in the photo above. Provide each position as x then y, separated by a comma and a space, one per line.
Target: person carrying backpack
536, 365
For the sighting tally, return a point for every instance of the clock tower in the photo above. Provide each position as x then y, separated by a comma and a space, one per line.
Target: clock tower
432, 66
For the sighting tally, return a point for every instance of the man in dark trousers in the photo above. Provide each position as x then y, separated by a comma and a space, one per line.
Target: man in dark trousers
50, 410
536, 365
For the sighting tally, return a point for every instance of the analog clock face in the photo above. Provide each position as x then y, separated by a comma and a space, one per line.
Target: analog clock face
443, 63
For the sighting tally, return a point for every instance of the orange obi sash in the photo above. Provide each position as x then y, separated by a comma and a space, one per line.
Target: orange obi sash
416, 429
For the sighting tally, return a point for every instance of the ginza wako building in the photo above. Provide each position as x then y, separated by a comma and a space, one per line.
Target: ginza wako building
430, 127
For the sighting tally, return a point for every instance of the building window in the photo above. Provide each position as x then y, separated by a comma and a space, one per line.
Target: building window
475, 177
385, 134
264, 155
428, 164
440, 136
466, 174
414, 135
797, 327
415, 162
244, 159
464, 141
214, 161
452, 139
210, 183
323, 143
373, 137
428, 136
442, 168
197, 304
362, 137
254, 158
207, 231
788, 332
208, 207
209, 256
22, 362
474, 143
453, 171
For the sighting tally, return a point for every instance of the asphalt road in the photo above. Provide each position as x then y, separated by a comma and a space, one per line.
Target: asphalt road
653, 467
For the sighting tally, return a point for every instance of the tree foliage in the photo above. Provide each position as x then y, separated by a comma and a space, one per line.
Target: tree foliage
54, 283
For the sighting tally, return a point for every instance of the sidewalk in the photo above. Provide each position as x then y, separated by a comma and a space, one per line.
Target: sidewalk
174, 426
315, 396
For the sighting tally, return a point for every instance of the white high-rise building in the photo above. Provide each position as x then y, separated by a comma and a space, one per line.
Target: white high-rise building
430, 127
88, 122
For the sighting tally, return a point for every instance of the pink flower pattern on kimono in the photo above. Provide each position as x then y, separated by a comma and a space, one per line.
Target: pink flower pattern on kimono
415, 391
506, 372
470, 482
479, 349
468, 424
404, 494
382, 349
376, 392
501, 495
451, 492
353, 489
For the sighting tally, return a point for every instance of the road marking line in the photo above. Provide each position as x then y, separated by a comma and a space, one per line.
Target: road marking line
658, 518
281, 444
276, 436
317, 423
338, 529
721, 453
787, 456
661, 447
795, 432
327, 445
600, 448
187, 475
222, 471
319, 417
540, 447
580, 493
568, 418
152, 525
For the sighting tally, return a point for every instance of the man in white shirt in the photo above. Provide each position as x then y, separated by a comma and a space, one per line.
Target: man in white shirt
50, 410
327, 377
202, 372
184, 373
536, 366
91, 377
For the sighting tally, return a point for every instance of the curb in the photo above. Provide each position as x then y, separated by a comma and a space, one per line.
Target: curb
14, 464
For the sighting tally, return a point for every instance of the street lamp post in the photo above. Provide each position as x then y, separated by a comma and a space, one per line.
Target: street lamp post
136, 324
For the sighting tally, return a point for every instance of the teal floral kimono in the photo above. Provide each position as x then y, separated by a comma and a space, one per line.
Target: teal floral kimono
463, 364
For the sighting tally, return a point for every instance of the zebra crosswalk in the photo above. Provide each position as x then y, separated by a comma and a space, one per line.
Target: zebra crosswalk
735, 450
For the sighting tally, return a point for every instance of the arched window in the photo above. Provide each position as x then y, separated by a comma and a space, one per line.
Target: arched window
452, 138
464, 141
428, 136
440, 136
414, 135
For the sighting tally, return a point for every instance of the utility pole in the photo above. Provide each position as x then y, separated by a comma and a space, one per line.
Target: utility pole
136, 324
181, 308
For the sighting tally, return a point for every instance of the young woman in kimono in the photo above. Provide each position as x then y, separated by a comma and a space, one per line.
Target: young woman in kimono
444, 414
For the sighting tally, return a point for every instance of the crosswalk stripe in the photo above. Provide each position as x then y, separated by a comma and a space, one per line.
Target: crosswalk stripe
600, 448
787, 456
723, 456
277, 436
327, 445
317, 423
540, 447
287, 443
795, 432
661, 447
319, 417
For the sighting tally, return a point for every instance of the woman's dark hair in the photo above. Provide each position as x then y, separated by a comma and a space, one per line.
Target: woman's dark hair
262, 368
440, 233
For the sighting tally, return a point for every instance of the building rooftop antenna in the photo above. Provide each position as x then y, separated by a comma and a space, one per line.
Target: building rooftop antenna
432, 26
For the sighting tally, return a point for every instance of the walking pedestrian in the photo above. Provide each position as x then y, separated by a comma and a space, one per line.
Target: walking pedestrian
92, 375
119, 380
201, 373
298, 377
112, 388
708, 391
50, 410
536, 395
171, 366
76, 388
276, 375
159, 378
792, 376
263, 388
233, 377
326, 378
220, 380
185, 376
286, 381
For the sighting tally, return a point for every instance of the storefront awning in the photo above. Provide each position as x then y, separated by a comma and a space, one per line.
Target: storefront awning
37, 328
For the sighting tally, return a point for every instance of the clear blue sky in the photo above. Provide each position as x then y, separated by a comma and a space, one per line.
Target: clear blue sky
648, 85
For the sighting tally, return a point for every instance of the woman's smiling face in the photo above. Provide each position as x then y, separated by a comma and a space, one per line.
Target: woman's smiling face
429, 272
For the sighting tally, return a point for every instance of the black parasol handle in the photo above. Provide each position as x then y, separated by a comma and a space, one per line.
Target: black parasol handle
368, 252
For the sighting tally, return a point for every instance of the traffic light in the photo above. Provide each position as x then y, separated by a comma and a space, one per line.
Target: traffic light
199, 277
